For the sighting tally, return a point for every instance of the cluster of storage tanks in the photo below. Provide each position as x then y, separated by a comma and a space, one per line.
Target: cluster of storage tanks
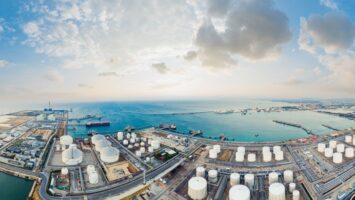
350, 139
131, 140
93, 175
277, 190
108, 154
214, 151
197, 186
336, 150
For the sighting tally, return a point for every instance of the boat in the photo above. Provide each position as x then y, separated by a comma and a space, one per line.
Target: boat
129, 128
195, 132
97, 124
167, 126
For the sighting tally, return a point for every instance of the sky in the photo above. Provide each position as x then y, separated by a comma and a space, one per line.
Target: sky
90, 50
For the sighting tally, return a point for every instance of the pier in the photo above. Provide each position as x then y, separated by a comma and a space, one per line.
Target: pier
308, 131
329, 127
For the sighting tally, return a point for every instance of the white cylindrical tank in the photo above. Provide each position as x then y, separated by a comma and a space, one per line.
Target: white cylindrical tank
213, 176
150, 149
266, 149
155, 144
337, 158
120, 136
57, 147
134, 135
96, 138
132, 140
348, 139
130, 146
142, 149
197, 188
279, 155
321, 147
332, 144
288, 176
136, 144
241, 150
239, 192
340, 148
109, 155
64, 171
125, 142
200, 171
138, 153
273, 178
234, 179
267, 156
292, 187
72, 155
217, 147
276, 148
212, 153
90, 168
249, 180
349, 152
277, 191
142, 144
296, 195
251, 157
66, 140
128, 136
101, 144
328, 152
93, 178
239, 156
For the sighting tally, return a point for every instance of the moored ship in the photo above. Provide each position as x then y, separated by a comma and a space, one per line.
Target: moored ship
97, 124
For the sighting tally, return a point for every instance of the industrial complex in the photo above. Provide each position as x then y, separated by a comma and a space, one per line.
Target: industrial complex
160, 163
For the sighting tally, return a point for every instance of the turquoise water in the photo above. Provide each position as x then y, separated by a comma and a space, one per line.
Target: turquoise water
14, 188
234, 126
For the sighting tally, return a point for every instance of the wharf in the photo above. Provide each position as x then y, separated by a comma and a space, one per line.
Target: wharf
308, 131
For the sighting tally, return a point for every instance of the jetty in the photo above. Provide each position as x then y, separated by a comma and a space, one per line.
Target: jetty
329, 127
308, 131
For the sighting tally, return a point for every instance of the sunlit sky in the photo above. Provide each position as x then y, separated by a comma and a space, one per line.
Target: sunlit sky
76, 50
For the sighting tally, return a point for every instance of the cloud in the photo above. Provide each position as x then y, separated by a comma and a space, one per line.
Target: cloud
4, 63
329, 3
190, 55
108, 74
342, 70
31, 29
331, 32
84, 85
161, 68
108, 35
253, 29
54, 76
218, 8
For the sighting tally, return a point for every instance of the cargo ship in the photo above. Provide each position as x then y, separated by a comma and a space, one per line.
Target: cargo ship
97, 124
167, 126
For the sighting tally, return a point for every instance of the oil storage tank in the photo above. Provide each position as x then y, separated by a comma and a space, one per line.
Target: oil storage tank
213, 176
239, 192
288, 176
277, 191
109, 155
249, 180
349, 152
197, 188
234, 179
273, 177
200, 171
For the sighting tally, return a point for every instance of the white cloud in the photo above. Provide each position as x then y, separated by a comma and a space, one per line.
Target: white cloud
54, 76
331, 32
4, 63
31, 29
329, 3
253, 29
108, 35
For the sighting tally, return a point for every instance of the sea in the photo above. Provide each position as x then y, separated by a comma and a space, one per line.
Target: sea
199, 115
189, 115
